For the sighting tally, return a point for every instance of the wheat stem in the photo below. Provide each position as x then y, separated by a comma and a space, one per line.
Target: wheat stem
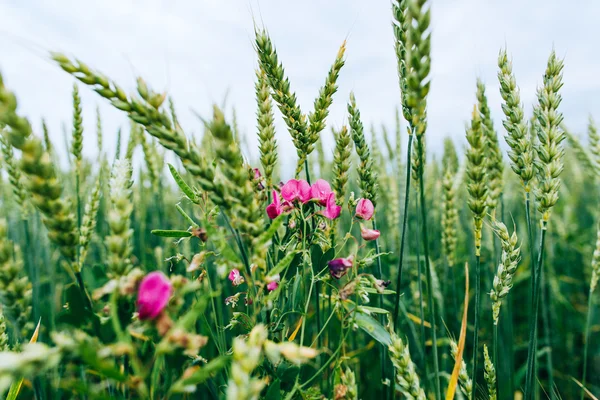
403, 236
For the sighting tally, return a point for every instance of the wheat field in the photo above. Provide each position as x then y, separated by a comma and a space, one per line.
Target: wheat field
186, 268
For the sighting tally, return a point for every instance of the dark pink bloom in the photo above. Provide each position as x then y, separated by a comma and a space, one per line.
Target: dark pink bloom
257, 177
364, 209
320, 190
235, 277
153, 295
340, 266
332, 210
275, 208
296, 190
369, 234
272, 286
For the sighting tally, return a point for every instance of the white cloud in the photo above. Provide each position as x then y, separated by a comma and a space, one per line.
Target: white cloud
201, 50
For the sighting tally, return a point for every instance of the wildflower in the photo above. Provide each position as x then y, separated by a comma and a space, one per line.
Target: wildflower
296, 190
273, 282
197, 261
235, 277
153, 295
380, 285
232, 300
275, 208
369, 234
258, 178
340, 266
332, 210
364, 209
320, 191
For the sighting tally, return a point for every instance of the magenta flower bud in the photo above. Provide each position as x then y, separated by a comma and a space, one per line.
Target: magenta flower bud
235, 277
153, 295
275, 208
257, 174
296, 190
369, 234
339, 267
364, 209
320, 190
272, 282
332, 210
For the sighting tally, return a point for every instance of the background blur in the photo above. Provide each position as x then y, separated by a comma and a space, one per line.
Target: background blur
201, 52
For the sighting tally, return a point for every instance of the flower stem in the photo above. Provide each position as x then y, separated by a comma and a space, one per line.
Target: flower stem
430, 304
403, 236
496, 361
382, 351
84, 295
306, 169
588, 322
420, 287
547, 338
476, 324
532, 348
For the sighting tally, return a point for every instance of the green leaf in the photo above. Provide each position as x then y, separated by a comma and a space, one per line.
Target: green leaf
15, 388
375, 310
185, 188
173, 233
274, 391
373, 328
201, 375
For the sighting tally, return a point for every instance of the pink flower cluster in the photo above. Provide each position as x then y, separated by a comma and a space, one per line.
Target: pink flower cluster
299, 191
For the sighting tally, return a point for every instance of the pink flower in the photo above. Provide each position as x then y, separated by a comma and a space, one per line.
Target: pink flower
257, 174
320, 190
275, 208
235, 277
272, 282
332, 210
340, 266
296, 190
153, 295
369, 234
364, 209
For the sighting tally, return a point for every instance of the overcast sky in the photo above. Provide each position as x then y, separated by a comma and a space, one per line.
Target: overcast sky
200, 51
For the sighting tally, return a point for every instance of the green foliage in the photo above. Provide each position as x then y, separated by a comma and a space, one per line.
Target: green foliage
286, 305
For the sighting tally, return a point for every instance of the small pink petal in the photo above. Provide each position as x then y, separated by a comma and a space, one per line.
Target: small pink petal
369, 234
290, 191
235, 277
320, 190
275, 208
304, 191
332, 210
272, 286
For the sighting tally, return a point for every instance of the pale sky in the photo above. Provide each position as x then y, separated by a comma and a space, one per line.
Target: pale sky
202, 50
